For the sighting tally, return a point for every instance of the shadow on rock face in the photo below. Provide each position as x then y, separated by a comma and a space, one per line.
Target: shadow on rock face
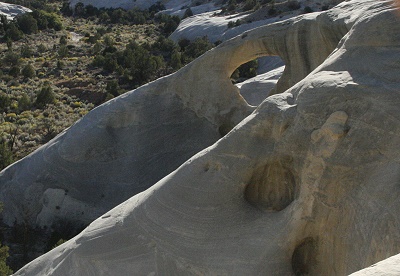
273, 186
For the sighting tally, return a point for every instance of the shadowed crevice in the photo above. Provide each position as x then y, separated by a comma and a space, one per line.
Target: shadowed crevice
272, 187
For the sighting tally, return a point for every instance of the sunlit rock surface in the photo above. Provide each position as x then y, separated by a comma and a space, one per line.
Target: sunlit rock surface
11, 10
306, 184
126, 145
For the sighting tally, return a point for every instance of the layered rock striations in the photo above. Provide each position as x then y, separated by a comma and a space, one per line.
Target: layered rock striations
308, 183
126, 145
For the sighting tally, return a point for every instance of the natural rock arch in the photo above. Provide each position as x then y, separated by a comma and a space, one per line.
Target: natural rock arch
124, 146
345, 214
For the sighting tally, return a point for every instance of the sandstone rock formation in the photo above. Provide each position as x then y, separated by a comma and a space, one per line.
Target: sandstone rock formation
215, 26
126, 145
387, 267
11, 10
306, 184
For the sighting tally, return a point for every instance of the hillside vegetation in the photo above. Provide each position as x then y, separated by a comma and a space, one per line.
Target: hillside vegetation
58, 63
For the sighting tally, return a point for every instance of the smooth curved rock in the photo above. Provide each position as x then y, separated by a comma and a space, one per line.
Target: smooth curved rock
126, 145
330, 144
387, 267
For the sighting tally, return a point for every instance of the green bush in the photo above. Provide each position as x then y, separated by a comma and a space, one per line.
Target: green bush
293, 5
63, 51
5, 102
41, 48
15, 71
45, 96
27, 23
249, 5
47, 20
6, 158
176, 60
28, 71
187, 13
11, 58
198, 47
26, 51
24, 103
308, 9
113, 88
13, 32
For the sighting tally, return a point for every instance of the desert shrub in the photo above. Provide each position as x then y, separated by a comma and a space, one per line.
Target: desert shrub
293, 5
6, 158
47, 20
41, 48
249, 5
60, 64
138, 17
158, 6
308, 9
28, 71
104, 17
249, 69
164, 45
118, 16
26, 51
45, 96
58, 243
245, 71
4, 268
24, 103
198, 47
63, 51
325, 8
110, 63
5, 102
63, 40
9, 43
13, 32
140, 63
169, 23
188, 13
98, 61
236, 23
14, 71
97, 47
27, 23
231, 5
79, 9
272, 11
113, 88
66, 9
91, 10
176, 60
11, 58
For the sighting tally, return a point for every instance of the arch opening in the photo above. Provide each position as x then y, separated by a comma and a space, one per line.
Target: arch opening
257, 78
304, 258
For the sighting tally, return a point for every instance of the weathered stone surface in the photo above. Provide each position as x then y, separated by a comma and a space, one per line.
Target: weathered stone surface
11, 10
387, 267
126, 145
306, 184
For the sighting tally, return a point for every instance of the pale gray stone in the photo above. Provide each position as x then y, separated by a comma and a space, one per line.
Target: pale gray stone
306, 184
